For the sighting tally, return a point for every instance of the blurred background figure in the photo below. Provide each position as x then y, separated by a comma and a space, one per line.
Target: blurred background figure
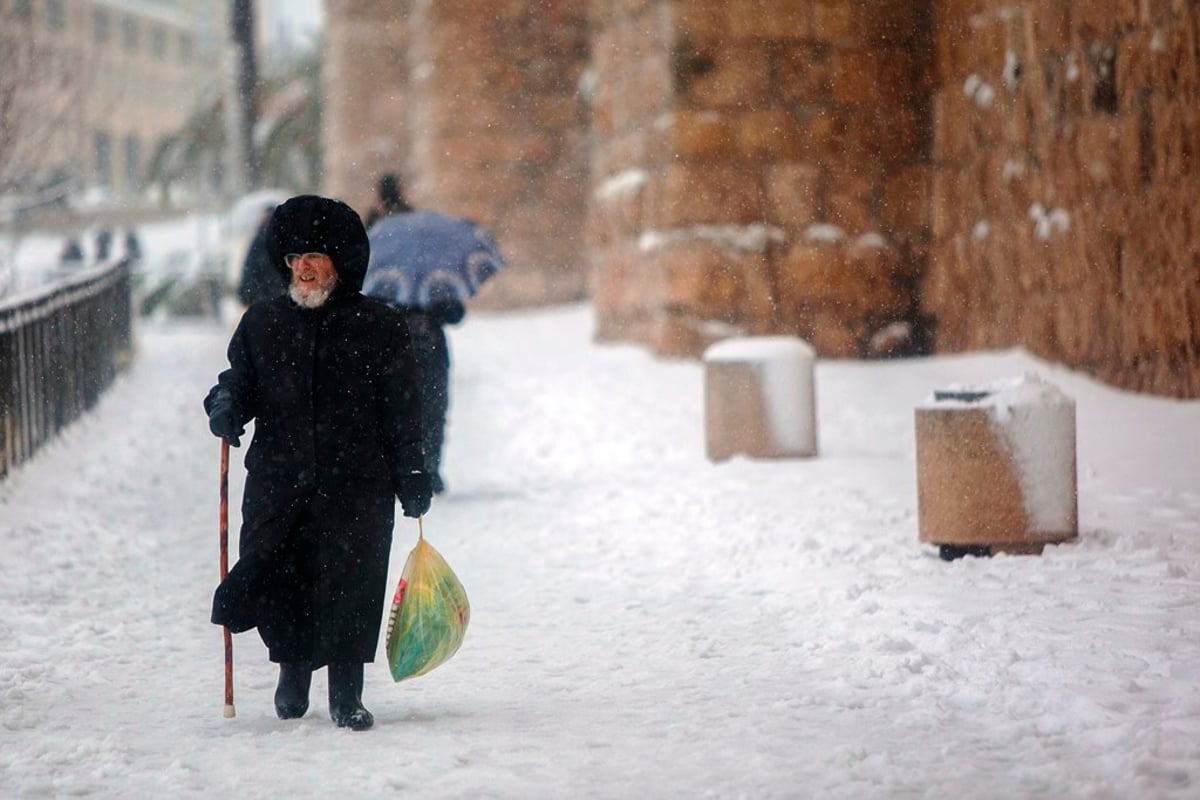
427, 265
260, 280
71, 254
133, 245
103, 244
389, 199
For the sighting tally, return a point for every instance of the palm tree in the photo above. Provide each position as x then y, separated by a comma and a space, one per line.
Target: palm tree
286, 140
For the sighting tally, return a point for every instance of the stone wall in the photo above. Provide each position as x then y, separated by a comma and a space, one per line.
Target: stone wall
477, 107
366, 97
1064, 194
875, 176
758, 167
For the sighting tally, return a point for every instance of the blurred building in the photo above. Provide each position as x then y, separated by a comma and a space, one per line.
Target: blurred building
98, 83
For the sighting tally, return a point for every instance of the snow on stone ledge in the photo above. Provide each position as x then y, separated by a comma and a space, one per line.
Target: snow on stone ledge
1047, 222
755, 237
824, 232
1036, 423
625, 181
868, 241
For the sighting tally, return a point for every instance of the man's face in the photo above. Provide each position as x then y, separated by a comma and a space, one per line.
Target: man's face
313, 277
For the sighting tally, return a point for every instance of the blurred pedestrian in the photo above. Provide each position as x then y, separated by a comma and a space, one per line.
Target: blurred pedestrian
71, 254
328, 376
103, 244
426, 322
389, 199
133, 245
260, 280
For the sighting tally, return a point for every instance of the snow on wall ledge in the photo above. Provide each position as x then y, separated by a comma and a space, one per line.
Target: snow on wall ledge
755, 237
1035, 422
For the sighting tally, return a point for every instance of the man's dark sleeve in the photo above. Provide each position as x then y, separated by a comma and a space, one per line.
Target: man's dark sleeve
237, 382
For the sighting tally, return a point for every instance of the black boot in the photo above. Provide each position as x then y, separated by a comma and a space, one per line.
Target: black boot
345, 697
291, 695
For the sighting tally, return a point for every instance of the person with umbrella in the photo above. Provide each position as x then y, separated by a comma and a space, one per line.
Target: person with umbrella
427, 264
328, 377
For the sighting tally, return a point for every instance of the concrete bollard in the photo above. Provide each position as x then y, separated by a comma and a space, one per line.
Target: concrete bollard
759, 398
996, 468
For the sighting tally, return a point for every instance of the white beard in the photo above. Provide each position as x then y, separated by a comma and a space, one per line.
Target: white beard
313, 299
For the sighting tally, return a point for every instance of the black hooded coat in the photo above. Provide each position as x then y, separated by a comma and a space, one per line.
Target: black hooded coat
337, 430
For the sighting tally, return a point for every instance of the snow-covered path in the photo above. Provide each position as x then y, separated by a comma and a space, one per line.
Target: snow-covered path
643, 622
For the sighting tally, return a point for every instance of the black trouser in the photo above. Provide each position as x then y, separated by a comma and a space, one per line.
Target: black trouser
432, 356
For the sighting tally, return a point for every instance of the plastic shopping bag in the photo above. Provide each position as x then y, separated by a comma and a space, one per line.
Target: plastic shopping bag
429, 614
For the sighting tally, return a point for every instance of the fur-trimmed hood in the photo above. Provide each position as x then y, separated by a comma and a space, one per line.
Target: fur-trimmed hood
311, 224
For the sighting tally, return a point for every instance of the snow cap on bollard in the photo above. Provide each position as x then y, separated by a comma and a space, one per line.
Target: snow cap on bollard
996, 467
759, 398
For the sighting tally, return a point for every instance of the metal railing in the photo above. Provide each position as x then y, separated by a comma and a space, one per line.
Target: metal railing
60, 347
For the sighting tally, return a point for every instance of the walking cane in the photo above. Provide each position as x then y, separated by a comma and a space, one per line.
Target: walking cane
229, 709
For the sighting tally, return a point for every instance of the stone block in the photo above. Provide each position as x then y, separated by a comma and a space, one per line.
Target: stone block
673, 335
859, 282
779, 20
829, 331
804, 75
857, 76
792, 195
892, 22
700, 19
698, 134
996, 467
771, 134
904, 201
849, 200
615, 281
704, 194
951, 128
723, 76
899, 135
759, 398
1100, 17
712, 282
946, 202
834, 22
826, 128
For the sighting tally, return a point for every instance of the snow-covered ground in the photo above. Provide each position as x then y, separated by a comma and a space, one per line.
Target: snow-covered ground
644, 623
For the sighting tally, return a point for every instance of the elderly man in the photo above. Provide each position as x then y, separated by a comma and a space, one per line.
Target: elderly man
328, 378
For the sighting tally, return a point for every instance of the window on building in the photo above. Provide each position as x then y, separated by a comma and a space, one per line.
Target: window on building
129, 34
56, 15
133, 162
100, 29
158, 42
186, 47
23, 9
103, 158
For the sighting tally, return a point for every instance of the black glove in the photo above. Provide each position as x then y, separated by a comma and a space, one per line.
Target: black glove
221, 420
446, 311
415, 492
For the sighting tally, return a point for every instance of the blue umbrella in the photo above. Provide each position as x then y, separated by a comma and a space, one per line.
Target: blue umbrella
422, 257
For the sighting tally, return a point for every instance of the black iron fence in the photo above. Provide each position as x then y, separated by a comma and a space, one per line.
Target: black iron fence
60, 348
